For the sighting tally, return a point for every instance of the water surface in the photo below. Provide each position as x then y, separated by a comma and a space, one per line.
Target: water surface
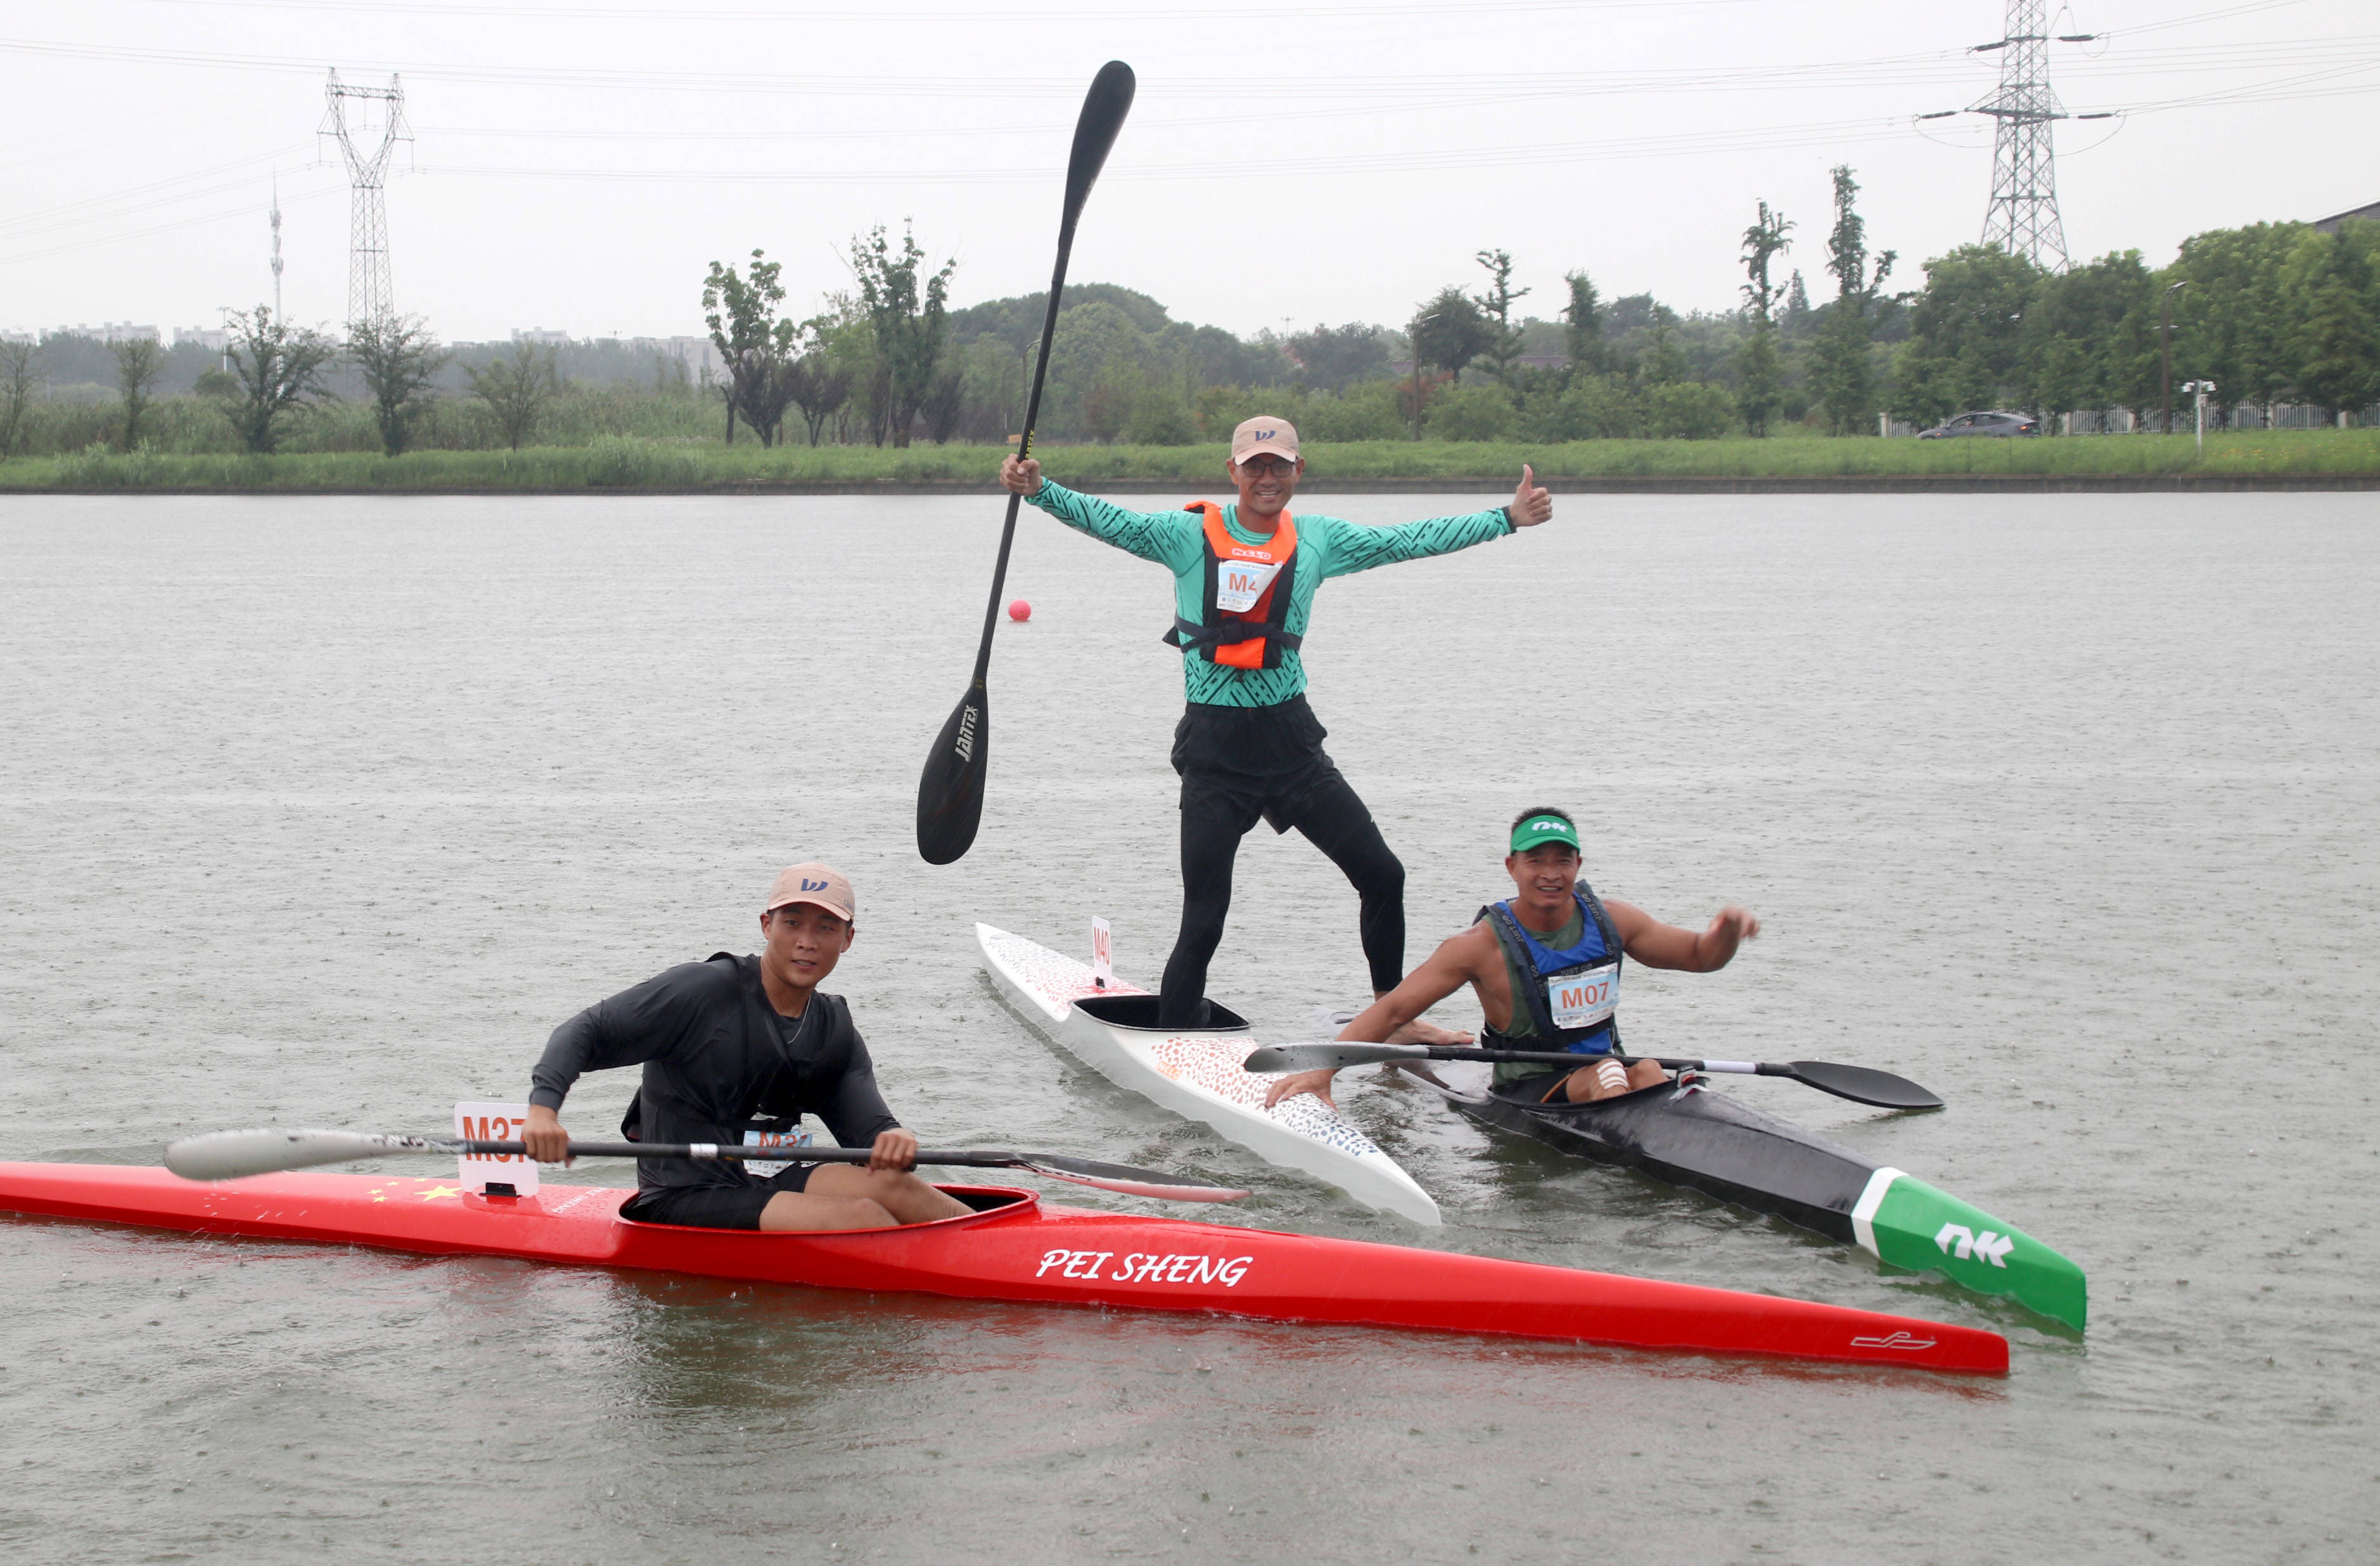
326, 811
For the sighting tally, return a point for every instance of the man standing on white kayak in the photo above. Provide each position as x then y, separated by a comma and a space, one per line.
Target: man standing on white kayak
1545, 964
729, 1038
1248, 746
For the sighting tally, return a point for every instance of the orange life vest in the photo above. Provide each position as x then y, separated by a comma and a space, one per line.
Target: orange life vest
1246, 596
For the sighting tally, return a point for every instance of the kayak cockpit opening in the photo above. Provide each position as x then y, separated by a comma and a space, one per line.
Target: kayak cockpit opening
1139, 1013
983, 1200
978, 1199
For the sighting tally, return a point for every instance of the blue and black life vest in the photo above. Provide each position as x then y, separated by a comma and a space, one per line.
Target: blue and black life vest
1588, 974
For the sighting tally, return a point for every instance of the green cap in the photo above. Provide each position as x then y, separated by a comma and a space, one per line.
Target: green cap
1543, 829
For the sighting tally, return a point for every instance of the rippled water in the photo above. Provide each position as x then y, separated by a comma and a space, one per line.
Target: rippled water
326, 811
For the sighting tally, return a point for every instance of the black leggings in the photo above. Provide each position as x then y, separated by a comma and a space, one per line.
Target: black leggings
1333, 818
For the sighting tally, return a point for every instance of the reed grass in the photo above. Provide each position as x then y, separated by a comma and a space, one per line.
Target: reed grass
620, 462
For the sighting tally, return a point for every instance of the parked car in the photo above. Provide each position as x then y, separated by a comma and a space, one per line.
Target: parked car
1986, 423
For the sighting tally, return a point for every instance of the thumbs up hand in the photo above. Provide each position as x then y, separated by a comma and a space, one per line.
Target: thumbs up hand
1531, 504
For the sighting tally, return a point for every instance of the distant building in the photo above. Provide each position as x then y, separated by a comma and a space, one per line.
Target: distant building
2330, 224
699, 355
541, 337
114, 332
214, 339
18, 334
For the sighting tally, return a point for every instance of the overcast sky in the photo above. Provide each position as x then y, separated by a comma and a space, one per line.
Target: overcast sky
577, 165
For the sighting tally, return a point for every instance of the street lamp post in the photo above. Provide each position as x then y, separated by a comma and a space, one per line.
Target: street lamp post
2165, 354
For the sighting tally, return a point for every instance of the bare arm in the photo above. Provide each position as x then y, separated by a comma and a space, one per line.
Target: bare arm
1657, 945
1452, 966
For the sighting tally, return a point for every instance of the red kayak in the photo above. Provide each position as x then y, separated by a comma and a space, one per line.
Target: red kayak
1015, 1248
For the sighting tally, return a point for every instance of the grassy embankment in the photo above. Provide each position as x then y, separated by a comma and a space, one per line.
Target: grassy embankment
621, 463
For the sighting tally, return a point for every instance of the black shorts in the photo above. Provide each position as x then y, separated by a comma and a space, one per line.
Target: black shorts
715, 1207
1242, 763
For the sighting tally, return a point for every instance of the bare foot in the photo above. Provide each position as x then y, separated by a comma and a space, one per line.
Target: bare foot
1421, 1030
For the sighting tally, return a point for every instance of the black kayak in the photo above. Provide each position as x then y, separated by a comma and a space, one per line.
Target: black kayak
1689, 1136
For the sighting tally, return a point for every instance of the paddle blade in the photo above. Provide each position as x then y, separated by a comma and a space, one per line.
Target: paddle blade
950, 792
1319, 1057
1130, 1181
1104, 107
227, 1155
1862, 1084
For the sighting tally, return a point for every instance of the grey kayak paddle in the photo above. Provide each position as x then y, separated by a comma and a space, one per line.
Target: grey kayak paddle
229, 1155
1862, 1084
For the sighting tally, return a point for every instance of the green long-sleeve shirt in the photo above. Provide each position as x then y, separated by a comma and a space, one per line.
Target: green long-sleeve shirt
1326, 546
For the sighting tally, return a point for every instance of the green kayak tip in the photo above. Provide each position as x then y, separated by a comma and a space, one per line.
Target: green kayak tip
1906, 1223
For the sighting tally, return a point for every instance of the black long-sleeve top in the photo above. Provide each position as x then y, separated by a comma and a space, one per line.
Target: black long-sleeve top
717, 1057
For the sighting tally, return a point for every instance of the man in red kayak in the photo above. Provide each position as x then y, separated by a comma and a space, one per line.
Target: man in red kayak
731, 1039
1545, 964
1249, 748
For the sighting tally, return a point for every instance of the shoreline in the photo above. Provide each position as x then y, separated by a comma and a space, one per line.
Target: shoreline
1617, 484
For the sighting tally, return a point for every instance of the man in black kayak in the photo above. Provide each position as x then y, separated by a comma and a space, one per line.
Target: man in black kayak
1545, 964
730, 1038
1248, 746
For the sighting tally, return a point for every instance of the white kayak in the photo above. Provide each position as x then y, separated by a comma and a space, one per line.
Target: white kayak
1193, 1072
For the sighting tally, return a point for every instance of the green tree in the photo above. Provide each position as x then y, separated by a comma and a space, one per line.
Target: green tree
909, 311
21, 388
1447, 332
1664, 360
1583, 327
517, 391
1967, 342
1845, 370
1795, 319
1503, 350
399, 358
1689, 410
819, 387
137, 361
755, 344
280, 371
2231, 324
2090, 337
1759, 370
1471, 413
1592, 408
2332, 286
1161, 416
1331, 359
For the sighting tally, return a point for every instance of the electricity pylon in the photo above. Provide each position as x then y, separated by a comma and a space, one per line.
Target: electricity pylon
370, 297
276, 247
2023, 218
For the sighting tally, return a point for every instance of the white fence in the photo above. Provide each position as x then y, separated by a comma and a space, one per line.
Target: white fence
2244, 416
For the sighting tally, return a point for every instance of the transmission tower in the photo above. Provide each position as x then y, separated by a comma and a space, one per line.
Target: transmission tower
370, 297
2022, 219
276, 247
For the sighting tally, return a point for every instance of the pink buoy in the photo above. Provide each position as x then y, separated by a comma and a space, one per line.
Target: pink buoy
1019, 610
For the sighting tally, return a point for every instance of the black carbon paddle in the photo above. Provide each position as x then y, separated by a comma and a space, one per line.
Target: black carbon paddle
229, 1155
1861, 1085
949, 792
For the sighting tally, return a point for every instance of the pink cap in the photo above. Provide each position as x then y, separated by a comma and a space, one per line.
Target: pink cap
813, 883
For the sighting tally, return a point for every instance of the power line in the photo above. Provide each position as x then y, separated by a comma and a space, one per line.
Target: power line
790, 16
